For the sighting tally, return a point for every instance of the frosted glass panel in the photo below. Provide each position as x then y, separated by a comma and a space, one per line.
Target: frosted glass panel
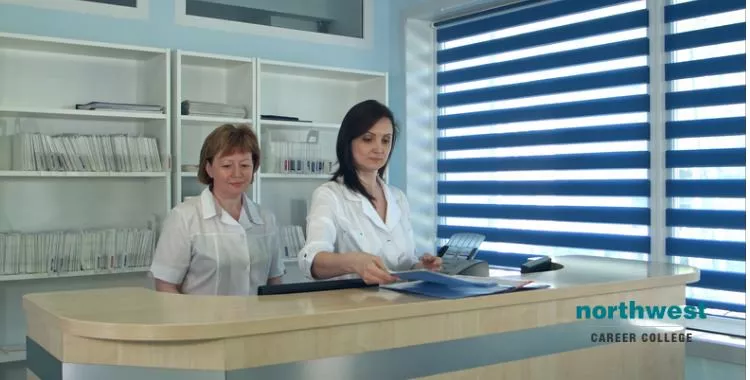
336, 17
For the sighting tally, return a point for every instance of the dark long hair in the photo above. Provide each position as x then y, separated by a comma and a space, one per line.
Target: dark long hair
357, 121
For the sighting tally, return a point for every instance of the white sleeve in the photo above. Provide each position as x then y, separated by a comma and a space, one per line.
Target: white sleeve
172, 255
321, 229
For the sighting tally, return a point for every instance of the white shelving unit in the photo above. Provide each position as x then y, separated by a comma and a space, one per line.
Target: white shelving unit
209, 78
41, 81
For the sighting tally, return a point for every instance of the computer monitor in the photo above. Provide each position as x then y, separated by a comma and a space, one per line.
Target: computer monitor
312, 286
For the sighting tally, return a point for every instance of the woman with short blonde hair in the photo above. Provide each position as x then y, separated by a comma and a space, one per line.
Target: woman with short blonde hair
220, 243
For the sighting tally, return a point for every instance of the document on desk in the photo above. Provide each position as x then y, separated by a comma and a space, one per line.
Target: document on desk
438, 285
441, 278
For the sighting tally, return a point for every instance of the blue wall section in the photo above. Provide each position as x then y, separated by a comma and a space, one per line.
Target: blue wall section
160, 30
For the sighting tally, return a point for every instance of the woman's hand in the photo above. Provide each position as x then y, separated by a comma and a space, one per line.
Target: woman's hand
430, 262
372, 269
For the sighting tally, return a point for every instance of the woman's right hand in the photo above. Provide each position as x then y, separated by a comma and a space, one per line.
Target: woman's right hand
371, 269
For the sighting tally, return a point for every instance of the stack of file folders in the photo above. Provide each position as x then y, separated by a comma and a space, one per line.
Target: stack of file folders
75, 251
292, 240
81, 153
440, 285
191, 107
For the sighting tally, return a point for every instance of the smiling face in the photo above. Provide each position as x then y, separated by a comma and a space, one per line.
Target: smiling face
232, 174
371, 150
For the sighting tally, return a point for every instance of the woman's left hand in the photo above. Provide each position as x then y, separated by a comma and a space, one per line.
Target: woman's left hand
431, 262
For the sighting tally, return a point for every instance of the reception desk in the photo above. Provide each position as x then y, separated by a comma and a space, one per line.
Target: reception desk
372, 333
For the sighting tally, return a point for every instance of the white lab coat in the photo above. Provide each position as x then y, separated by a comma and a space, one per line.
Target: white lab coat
207, 251
341, 220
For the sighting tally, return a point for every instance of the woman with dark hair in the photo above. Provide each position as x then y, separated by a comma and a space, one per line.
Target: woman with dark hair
357, 224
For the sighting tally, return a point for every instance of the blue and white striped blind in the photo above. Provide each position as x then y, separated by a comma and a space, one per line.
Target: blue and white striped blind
705, 74
544, 132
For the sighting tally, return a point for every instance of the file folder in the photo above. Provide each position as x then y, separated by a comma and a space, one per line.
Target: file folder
439, 285
445, 279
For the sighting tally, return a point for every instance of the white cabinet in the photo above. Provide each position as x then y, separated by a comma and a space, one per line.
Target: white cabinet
81, 191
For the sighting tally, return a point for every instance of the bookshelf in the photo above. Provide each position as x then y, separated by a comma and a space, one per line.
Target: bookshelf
82, 191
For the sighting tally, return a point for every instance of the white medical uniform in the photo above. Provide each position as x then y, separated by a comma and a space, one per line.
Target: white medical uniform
341, 220
207, 251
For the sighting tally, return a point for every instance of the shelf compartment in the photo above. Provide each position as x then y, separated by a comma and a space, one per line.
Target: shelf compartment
29, 43
50, 174
209, 78
77, 114
44, 276
317, 72
213, 119
298, 124
294, 90
57, 74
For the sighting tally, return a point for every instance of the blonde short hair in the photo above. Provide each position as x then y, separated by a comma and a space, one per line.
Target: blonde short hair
225, 140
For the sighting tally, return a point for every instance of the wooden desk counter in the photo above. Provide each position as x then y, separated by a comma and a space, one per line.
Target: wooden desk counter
367, 333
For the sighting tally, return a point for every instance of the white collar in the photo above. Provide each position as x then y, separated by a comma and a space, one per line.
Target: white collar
393, 211
208, 208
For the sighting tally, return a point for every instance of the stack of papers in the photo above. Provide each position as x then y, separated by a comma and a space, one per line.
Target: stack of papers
120, 107
439, 285
75, 251
82, 153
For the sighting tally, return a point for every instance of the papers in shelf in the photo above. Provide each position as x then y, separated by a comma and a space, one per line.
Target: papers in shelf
80, 153
292, 241
74, 251
120, 107
192, 107
438, 285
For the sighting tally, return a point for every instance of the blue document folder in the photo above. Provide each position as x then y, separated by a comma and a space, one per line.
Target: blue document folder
438, 285
432, 289
440, 278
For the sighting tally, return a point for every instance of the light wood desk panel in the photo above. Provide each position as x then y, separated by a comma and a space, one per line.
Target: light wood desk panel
299, 335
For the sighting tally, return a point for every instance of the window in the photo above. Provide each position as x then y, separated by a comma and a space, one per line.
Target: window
336, 21
545, 123
544, 131
136, 9
705, 131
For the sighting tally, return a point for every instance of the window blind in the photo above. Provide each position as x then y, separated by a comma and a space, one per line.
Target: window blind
705, 131
543, 130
